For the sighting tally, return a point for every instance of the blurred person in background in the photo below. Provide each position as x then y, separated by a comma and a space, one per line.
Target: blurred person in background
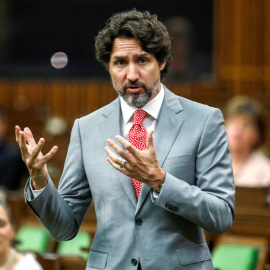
245, 125
188, 64
12, 168
10, 259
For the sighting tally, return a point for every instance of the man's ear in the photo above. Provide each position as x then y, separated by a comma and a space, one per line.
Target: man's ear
162, 65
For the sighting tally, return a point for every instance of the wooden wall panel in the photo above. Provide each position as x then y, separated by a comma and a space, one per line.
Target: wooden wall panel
242, 40
242, 49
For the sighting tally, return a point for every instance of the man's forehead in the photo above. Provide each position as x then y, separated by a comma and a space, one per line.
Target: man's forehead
123, 46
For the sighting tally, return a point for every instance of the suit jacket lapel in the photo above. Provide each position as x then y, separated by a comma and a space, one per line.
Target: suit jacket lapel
167, 127
109, 128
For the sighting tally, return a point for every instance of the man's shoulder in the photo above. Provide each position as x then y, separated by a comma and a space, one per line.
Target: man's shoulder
102, 112
194, 107
190, 106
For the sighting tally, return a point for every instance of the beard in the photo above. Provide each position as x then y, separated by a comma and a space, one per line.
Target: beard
137, 99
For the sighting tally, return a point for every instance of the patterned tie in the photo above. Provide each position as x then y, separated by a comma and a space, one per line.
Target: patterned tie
137, 137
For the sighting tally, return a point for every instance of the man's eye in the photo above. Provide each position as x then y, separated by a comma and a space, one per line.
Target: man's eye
143, 60
120, 63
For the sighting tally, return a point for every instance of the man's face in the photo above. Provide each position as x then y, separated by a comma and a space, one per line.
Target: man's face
135, 73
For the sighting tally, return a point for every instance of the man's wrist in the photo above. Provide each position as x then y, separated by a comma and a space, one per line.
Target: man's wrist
158, 188
38, 186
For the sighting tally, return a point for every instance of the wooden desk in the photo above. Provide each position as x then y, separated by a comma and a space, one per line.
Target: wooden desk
252, 209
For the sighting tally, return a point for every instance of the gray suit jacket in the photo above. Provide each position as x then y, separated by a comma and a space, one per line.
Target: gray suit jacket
166, 233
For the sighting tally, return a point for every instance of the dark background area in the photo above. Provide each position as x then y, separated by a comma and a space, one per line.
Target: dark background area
37, 29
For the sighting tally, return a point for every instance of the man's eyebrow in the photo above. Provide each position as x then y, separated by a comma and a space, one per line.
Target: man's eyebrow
139, 55
136, 56
116, 57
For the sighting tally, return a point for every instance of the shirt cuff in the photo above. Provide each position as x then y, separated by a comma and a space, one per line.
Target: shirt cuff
34, 191
156, 194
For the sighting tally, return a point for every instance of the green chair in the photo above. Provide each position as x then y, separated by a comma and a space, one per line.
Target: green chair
77, 246
240, 253
232, 257
32, 238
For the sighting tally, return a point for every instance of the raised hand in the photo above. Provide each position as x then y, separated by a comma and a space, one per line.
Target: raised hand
140, 165
33, 157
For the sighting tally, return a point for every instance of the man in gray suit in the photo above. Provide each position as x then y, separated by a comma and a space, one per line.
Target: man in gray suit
155, 193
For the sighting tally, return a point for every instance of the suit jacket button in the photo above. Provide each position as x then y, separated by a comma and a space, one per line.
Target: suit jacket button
139, 221
169, 206
134, 262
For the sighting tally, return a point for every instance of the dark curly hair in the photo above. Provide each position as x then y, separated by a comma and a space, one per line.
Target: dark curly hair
145, 28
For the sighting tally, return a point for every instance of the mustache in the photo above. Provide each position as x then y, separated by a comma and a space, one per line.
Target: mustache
133, 84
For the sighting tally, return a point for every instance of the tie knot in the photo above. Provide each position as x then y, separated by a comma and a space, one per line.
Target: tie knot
139, 116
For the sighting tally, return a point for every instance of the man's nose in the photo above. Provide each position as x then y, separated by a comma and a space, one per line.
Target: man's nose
133, 73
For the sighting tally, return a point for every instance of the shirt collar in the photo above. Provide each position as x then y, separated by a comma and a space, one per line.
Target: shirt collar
152, 107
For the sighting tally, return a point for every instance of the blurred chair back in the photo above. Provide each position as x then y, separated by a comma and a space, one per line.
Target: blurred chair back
79, 246
32, 238
49, 261
240, 252
72, 262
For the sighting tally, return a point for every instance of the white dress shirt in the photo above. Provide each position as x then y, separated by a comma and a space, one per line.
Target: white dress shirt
152, 108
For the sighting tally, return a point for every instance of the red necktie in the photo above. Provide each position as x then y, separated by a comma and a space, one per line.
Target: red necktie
137, 137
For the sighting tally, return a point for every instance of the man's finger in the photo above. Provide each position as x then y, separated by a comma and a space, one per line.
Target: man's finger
150, 140
112, 156
116, 166
29, 137
113, 164
22, 144
133, 151
119, 150
17, 134
37, 149
49, 155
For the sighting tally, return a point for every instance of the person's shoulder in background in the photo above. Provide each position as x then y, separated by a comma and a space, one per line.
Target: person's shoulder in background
28, 262
255, 172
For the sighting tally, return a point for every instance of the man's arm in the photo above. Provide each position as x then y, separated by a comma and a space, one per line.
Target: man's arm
209, 203
62, 212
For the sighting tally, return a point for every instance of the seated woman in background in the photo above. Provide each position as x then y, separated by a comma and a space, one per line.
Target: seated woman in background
246, 133
10, 259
